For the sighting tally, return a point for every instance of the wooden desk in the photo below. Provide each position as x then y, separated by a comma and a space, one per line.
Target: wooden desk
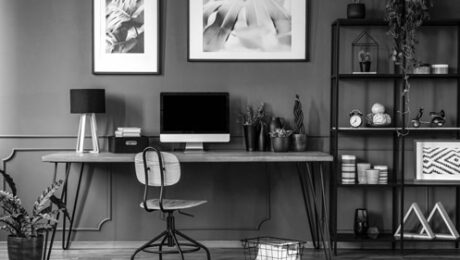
315, 206
212, 156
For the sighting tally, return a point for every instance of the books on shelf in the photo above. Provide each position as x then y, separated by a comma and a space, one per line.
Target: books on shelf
128, 132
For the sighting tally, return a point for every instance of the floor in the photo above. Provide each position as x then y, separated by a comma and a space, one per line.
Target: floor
237, 254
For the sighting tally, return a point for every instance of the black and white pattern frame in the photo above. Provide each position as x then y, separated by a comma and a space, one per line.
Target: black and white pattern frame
248, 30
126, 36
437, 160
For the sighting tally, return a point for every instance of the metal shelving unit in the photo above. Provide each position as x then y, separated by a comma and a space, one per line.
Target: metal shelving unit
397, 182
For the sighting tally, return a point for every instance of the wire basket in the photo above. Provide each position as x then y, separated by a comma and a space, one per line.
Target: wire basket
270, 248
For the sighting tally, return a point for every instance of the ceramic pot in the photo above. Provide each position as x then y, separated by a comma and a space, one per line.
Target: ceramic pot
365, 66
356, 11
299, 142
262, 143
280, 144
361, 223
250, 137
20, 248
274, 124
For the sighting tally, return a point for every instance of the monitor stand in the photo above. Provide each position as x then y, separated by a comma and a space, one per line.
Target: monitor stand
194, 147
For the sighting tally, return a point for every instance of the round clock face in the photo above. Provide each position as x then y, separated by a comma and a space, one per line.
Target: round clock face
356, 120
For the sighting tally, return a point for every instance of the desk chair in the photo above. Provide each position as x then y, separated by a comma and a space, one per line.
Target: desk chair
160, 169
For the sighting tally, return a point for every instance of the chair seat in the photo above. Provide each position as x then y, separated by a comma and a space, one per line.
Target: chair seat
173, 204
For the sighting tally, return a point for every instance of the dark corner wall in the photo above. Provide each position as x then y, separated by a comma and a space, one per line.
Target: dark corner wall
46, 49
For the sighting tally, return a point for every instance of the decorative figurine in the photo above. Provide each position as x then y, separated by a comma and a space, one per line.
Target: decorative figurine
416, 122
437, 119
378, 117
356, 118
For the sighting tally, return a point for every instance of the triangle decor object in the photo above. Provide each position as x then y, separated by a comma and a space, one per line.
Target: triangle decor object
441, 210
426, 233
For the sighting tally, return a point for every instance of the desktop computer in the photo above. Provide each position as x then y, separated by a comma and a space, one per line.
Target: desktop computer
194, 118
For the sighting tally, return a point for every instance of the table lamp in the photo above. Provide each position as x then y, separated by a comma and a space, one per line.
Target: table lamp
87, 102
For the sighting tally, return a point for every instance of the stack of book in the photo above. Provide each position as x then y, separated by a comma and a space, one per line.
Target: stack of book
128, 132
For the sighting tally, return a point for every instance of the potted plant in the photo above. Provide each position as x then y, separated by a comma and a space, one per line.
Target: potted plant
365, 61
25, 240
280, 140
404, 18
299, 136
250, 122
356, 10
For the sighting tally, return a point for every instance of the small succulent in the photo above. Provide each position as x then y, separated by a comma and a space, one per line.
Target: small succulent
281, 132
364, 56
252, 118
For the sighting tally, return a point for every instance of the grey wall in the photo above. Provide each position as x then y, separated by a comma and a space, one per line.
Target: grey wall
46, 50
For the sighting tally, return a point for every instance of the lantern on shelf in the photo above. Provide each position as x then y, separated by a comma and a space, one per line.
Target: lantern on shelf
365, 53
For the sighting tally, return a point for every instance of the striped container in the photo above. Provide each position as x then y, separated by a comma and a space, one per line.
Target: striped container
348, 169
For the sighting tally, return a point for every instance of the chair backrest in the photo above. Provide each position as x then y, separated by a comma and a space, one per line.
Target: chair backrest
171, 168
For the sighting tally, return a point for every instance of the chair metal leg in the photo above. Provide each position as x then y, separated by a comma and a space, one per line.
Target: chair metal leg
208, 255
164, 233
161, 247
176, 242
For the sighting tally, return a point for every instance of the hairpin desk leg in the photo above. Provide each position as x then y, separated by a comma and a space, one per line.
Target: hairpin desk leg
77, 193
64, 195
308, 208
320, 206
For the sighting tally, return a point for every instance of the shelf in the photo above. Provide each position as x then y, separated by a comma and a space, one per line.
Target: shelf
379, 22
386, 130
395, 76
349, 237
365, 186
416, 183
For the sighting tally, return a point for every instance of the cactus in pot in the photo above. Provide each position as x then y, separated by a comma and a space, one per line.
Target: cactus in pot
365, 61
300, 136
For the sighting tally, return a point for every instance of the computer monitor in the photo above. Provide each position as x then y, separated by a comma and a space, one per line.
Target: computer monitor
194, 118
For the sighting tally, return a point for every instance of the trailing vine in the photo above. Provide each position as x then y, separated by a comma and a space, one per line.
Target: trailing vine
404, 18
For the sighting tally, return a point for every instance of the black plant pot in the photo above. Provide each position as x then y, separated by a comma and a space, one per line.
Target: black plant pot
365, 66
356, 11
361, 223
250, 137
20, 248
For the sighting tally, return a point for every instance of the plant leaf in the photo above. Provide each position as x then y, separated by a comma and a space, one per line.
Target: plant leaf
9, 181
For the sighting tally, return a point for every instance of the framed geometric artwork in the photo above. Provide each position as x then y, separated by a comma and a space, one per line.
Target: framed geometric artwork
438, 160
248, 30
126, 37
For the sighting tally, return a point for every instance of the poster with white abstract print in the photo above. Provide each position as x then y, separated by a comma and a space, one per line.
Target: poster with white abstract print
438, 160
126, 36
248, 30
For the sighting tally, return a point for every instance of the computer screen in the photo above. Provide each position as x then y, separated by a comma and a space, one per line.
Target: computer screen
193, 117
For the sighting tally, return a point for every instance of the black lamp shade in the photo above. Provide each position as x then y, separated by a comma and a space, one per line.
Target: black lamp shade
84, 101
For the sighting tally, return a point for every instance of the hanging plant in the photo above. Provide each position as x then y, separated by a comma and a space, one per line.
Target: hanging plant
404, 18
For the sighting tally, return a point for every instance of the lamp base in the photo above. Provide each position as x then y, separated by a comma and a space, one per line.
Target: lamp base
81, 133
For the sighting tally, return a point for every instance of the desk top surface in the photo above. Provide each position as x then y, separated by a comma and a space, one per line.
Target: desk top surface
208, 156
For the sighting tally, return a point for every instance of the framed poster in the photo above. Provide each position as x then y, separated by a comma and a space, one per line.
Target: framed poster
248, 30
438, 160
126, 37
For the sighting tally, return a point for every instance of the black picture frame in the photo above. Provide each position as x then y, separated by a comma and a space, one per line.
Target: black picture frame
153, 55
305, 45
